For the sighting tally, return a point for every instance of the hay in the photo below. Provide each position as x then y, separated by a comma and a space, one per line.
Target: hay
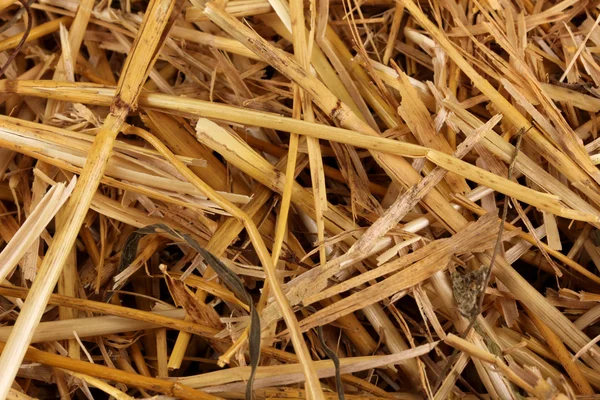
273, 199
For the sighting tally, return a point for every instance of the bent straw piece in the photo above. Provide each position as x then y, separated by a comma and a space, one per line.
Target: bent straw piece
174, 389
101, 95
135, 71
88, 327
312, 380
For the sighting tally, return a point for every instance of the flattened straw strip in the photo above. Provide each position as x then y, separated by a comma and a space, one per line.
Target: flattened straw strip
292, 373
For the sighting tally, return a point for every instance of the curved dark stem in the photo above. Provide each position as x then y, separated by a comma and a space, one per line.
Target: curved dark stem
334, 358
15, 17
26, 7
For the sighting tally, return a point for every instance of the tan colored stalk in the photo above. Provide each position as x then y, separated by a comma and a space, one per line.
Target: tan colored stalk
76, 32
292, 373
176, 133
161, 353
111, 309
301, 52
36, 33
501, 148
540, 389
68, 285
393, 34
314, 387
566, 359
134, 73
174, 389
99, 384
89, 327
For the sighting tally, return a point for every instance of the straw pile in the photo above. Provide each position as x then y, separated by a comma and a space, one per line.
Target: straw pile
299, 199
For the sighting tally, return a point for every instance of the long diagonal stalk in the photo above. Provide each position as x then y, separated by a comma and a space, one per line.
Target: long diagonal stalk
156, 23
312, 379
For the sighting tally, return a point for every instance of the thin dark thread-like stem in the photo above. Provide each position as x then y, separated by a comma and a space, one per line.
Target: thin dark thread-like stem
488, 274
26, 7
15, 17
